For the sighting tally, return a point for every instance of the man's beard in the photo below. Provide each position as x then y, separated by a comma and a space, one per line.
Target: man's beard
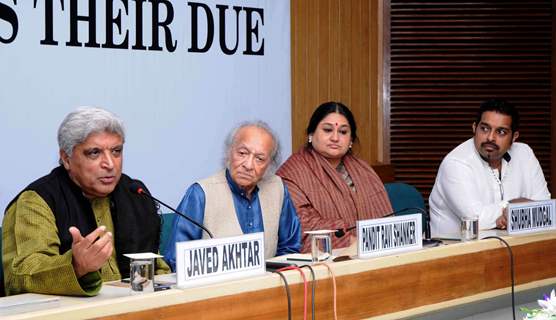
493, 154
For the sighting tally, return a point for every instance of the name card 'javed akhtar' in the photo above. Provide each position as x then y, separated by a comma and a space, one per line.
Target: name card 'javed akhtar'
228, 257
377, 237
214, 260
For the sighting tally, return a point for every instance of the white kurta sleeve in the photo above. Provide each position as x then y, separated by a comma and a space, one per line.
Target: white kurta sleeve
464, 192
537, 189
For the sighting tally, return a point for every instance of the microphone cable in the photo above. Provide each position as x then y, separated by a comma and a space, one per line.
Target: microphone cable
313, 280
286, 285
304, 287
511, 269
333, 286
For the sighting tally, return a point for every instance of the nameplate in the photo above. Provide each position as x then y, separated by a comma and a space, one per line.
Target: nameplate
216, 260
534, 216
386, 236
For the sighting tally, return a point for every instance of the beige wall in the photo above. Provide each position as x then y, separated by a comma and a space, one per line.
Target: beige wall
337, 55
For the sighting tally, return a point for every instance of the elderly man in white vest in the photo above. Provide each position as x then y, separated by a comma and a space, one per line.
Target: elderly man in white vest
244, 197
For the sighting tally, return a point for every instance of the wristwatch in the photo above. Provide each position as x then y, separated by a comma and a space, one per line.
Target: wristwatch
504, 204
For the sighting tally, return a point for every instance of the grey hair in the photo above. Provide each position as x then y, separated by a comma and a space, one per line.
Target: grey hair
275, 154
79, 124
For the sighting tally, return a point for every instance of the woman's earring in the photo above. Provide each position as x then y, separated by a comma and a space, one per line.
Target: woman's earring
350, 144
310, 140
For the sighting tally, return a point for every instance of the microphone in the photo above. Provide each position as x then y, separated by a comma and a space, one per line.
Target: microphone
136, 188
426, 228
342, 231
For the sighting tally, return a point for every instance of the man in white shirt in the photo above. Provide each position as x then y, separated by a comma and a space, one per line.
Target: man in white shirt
483, 174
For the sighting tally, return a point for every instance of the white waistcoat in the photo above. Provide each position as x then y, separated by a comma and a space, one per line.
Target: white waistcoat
220, 214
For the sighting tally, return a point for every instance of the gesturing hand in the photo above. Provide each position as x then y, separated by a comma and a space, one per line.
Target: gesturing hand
92, 251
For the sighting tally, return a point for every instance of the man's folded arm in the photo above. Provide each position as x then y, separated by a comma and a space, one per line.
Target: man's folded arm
463, 197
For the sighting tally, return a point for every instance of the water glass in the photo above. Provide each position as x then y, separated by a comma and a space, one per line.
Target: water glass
321, 247
141, 273
469, 229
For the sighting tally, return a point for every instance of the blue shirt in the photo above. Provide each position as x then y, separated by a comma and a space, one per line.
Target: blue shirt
249, 215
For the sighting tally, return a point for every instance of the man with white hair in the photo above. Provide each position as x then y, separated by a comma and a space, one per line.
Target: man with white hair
245, 197
67, 232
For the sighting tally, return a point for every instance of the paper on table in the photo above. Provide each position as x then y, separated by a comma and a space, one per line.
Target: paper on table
27, 302
143, 255
28, 298
320, 231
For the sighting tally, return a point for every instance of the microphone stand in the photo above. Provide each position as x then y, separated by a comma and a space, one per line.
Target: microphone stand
427, 240
142, 192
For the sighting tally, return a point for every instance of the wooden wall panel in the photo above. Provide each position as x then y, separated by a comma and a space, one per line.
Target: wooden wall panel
445, 57
336, 55
553, 74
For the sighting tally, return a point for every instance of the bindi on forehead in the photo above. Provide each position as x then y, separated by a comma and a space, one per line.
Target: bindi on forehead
335, 124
